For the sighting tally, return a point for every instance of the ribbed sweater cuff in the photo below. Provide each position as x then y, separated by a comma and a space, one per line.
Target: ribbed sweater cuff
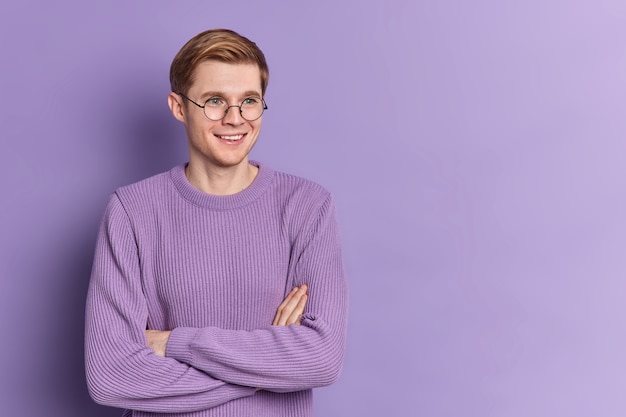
178, 345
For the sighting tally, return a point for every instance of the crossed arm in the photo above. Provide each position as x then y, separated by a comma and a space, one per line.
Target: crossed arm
289, 312
190, 369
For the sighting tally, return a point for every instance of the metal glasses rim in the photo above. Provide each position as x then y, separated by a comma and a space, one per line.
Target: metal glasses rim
225, 111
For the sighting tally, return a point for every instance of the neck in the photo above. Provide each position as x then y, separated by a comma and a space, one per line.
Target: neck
221, 180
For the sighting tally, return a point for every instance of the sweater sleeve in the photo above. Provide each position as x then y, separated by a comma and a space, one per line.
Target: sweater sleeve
279, 358
121, 370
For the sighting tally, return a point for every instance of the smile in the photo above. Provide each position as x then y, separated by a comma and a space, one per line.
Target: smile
231, 137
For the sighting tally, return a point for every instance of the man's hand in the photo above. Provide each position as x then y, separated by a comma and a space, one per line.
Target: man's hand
291, 309
157, 340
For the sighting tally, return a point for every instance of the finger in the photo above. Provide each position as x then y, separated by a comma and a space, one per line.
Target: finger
288, 309
282, 305
290, 306
298, 307
297, 313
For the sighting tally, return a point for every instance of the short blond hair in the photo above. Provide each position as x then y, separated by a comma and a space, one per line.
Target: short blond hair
222, 45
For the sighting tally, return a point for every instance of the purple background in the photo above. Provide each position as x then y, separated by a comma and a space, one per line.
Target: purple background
476, 150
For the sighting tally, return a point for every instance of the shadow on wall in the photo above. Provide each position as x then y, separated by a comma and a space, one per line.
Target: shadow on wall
67, 386
148, 140
151, 140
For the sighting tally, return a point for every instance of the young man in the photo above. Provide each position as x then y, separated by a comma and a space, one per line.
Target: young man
217, 288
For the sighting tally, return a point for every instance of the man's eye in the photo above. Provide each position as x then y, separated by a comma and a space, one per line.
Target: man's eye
251, 101
215, 102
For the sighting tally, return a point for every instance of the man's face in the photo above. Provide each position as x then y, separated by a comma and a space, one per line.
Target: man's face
224, 143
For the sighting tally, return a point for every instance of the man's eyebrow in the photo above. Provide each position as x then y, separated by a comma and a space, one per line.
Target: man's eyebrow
208, 94
251, 93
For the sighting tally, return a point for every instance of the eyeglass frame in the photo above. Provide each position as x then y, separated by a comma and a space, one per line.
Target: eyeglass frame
227, 108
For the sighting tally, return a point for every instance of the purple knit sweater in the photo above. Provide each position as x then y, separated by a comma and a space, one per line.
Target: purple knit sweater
214, 269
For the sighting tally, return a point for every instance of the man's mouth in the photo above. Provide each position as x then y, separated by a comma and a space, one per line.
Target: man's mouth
231, 138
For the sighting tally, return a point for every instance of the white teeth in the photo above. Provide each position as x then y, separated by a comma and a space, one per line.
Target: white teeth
232, 137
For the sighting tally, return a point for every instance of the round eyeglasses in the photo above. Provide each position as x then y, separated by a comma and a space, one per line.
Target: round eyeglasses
215, 108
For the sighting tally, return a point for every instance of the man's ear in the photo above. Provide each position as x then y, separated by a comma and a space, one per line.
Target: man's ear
176, 106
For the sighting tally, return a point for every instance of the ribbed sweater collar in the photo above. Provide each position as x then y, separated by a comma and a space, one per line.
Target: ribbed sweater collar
261, 183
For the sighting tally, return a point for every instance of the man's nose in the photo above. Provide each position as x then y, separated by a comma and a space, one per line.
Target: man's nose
233, 116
